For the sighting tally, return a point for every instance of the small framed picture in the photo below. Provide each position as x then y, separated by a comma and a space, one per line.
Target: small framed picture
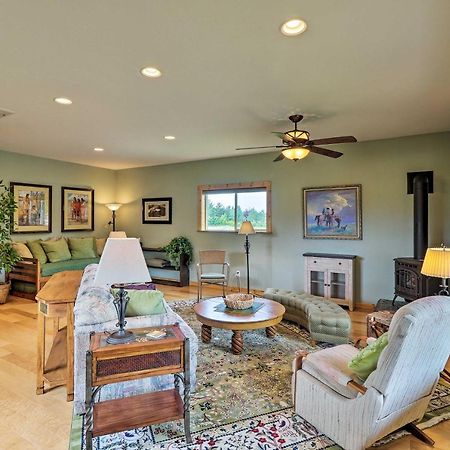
332, 212
77, 209
34, 208
157, 210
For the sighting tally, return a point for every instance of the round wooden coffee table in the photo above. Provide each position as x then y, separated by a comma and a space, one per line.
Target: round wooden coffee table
266, 317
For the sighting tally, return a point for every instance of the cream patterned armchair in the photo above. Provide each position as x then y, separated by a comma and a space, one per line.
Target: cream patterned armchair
394, 395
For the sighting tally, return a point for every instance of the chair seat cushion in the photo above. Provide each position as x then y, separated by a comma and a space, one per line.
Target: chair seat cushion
212, 276
49, 269
330, 366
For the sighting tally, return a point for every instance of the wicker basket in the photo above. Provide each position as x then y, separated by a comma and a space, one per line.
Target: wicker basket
239, 301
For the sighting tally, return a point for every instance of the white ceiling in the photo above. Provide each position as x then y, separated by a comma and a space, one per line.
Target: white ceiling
374, 69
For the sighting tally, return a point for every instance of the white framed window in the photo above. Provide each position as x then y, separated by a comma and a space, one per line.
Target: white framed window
223, 207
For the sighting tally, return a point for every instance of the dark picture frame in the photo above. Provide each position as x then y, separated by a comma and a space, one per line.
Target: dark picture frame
157, 210
77, 209
332, 212
34, 208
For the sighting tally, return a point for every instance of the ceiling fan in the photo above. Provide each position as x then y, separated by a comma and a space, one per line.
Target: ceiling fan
297, 145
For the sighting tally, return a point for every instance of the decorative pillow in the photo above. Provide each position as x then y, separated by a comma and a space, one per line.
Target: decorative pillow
81, 248
56, 250
37, 251
143, 302
157, 262
22, 250
100, 245
366, 360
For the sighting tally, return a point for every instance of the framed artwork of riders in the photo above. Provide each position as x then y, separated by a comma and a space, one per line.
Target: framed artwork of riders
77, 209
332, 212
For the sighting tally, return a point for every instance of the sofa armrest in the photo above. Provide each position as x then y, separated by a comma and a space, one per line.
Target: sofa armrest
28, 270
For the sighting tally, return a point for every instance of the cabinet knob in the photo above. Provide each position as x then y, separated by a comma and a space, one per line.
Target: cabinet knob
340, 264
315, 262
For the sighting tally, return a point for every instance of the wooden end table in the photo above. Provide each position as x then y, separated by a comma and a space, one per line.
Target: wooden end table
266, 317
55, 301
143, 357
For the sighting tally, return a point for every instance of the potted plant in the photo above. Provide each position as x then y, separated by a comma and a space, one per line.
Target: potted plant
179, 247
8, 256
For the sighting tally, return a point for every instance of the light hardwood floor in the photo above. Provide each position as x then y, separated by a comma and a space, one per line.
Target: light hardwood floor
31, 421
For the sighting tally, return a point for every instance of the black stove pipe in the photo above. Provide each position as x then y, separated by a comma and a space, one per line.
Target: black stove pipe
421, 190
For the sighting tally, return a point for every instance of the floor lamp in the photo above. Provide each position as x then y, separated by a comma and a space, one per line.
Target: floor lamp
247, 228
113, 207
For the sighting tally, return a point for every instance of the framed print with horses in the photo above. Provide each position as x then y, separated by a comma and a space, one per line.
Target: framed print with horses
332, 212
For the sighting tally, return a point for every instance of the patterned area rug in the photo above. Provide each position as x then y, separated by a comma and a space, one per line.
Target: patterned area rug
242, 402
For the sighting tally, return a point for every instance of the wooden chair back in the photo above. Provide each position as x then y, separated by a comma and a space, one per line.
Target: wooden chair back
212, 257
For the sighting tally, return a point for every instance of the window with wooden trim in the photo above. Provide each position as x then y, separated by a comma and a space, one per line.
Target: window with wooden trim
223, 207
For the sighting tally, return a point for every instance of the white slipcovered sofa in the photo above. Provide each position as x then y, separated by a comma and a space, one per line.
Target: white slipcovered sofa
94, 311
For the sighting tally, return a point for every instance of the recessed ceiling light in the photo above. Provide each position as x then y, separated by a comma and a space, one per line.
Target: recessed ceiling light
293, 27
151, 72
98, 149
169, 138
63, 100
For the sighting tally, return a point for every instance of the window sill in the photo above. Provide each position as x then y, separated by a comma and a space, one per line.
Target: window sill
230, 232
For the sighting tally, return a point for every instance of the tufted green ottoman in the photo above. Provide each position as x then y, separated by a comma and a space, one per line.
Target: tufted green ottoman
325, 320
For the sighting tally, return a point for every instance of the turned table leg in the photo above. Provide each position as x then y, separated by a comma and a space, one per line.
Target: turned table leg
271, 332
206, 333
237, 343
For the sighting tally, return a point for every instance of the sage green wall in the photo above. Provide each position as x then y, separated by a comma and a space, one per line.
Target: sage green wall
276, 259
30, 169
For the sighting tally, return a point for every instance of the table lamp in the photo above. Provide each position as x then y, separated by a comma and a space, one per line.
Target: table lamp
122, 261
247, 228
113, 207
437, 264
117, 234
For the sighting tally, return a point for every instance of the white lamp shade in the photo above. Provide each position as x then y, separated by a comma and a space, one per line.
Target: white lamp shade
247, 228
122, 261
437, 263
117, 234
113, 206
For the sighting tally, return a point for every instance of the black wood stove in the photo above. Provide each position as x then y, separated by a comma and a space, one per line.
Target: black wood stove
410, 284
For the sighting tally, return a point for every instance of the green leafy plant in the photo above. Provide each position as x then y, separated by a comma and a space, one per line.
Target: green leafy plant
8, 256
177, 247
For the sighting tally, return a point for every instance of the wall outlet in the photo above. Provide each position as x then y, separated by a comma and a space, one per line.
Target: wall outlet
238, 273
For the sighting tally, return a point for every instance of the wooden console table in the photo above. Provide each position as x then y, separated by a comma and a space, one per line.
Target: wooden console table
55, 301
143, 357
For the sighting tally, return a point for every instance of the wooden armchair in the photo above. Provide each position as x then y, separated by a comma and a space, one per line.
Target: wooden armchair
397, 393
27, 270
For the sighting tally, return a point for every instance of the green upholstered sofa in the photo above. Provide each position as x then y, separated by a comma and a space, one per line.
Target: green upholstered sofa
40, 261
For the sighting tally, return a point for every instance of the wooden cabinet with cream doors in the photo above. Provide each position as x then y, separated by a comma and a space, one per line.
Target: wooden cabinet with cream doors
330, 276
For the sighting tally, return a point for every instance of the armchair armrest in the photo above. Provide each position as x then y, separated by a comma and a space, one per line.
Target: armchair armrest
28, 270
226, 271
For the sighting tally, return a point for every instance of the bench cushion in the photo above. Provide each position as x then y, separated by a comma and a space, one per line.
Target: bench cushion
71, 264
325, 320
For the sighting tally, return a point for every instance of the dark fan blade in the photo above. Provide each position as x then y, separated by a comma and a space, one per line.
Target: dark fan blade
333, 140
280, 157
253, 148
283, 136
324, 151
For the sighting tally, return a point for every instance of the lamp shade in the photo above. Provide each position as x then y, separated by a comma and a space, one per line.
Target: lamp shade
117, 234
122, 261
246, 228
113, 206
437, 263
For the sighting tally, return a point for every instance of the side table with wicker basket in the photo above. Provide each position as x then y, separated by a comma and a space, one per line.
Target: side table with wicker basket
143, 357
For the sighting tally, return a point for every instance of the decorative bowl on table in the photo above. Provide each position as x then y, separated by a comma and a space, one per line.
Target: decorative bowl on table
239, 301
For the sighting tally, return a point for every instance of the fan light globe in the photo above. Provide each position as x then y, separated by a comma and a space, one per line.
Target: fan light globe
295, 153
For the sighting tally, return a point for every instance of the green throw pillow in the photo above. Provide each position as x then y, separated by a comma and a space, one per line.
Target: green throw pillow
365, 362
57, 250
82, 248
37, 251
144, 302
